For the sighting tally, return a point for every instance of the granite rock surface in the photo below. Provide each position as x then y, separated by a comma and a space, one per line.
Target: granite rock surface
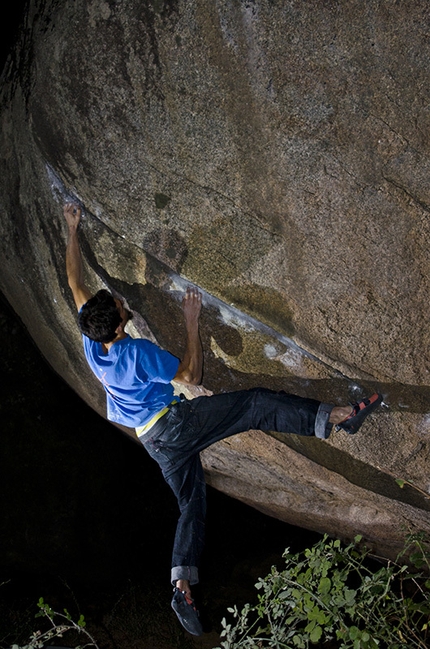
277, 156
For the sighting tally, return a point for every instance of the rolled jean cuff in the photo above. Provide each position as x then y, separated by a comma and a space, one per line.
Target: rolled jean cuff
190, 573
322, 426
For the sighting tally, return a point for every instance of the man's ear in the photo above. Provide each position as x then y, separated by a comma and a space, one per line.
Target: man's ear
119, 329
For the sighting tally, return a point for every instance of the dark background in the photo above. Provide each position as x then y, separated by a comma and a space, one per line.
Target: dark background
87, 521
13, 15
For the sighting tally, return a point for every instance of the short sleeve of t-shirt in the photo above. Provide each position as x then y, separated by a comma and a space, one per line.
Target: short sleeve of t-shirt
153, 364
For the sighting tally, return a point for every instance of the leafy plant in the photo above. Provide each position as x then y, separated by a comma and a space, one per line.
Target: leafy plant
60, 623
332, 594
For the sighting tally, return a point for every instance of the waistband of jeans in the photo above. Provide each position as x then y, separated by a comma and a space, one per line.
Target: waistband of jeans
142, 430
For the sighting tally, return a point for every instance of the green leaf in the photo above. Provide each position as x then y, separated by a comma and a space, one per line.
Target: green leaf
311, 626
323, 589
316, 634
299, 642
400, 482
284, 594
349, 596
325, 586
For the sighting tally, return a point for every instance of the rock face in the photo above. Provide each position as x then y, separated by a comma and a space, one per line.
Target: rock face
276, 154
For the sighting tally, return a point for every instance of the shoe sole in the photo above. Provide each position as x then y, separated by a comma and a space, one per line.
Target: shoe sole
186, 613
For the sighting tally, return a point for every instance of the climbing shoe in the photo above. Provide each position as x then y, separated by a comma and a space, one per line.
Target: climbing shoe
187, 613
360, 410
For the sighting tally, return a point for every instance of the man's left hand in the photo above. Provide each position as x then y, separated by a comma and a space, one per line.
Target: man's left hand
72, 214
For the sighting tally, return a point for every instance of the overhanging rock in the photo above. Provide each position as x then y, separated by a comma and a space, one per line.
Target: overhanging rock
274, 154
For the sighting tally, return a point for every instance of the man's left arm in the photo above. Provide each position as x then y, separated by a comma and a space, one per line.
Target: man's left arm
74, 266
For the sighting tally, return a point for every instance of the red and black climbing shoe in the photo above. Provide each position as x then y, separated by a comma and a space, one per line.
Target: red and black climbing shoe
186, 611
360, 410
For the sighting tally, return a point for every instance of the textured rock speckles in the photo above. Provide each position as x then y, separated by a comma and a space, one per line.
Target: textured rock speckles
274, 154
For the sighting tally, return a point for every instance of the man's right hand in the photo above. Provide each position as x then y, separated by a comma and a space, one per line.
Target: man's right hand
72, 214
192, 305
190, 367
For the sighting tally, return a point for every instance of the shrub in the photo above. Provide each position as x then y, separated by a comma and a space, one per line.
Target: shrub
335, 596
59, 624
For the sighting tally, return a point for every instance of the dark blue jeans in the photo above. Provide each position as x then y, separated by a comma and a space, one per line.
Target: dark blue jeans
176, 440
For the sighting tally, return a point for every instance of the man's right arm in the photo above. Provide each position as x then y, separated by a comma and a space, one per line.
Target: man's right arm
191, 367
74, 267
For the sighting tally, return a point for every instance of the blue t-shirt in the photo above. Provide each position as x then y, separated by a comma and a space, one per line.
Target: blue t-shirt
136, 376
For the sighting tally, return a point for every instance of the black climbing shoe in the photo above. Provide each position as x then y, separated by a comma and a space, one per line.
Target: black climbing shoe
186, 611
360, 410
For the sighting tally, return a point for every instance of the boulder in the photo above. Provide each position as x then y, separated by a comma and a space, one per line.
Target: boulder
274, 154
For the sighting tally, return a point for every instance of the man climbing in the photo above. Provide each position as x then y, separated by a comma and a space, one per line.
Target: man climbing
136, 375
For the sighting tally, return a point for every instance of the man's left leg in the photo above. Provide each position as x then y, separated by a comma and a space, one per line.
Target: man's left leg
188, 485
196, 425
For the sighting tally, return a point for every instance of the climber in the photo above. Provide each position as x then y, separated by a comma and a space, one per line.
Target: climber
136, 375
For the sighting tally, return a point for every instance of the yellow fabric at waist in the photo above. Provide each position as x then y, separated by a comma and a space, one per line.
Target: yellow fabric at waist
146, 427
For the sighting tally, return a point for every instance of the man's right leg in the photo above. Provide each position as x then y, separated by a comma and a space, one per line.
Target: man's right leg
214, 418
339, 413
359, 411
210, 419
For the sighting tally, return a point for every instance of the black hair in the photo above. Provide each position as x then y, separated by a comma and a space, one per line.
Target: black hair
99, 318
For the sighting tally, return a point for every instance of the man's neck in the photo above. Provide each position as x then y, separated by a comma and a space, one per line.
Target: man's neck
106, 346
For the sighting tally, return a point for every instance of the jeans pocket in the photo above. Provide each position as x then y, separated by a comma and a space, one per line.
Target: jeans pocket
159, 452
174, 416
